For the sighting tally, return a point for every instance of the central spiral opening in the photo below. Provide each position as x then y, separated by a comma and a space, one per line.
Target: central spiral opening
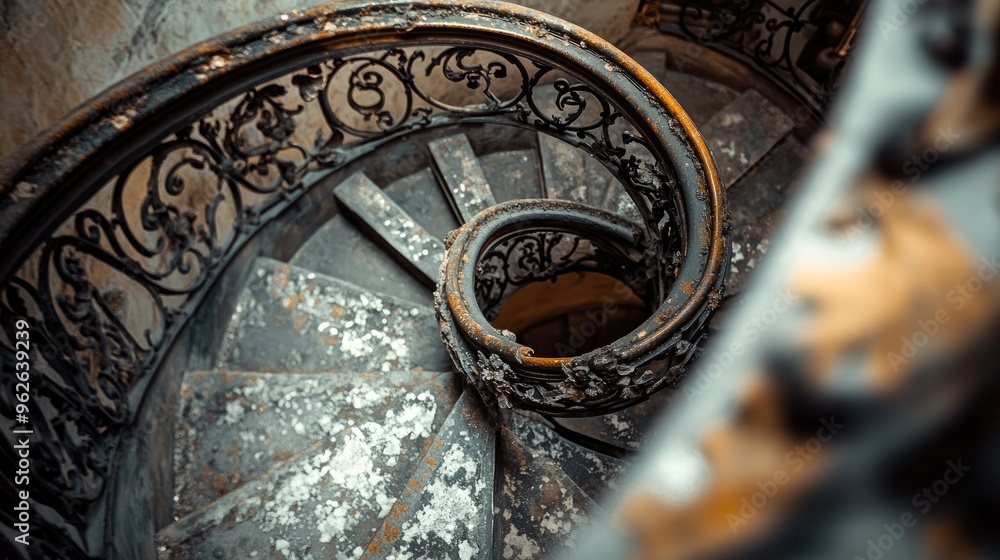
571, 314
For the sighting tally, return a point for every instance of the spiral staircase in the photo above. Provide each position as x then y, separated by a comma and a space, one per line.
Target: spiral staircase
305, 404
334, 424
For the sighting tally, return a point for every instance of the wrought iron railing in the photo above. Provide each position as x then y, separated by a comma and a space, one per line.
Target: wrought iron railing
117, 222
801, 45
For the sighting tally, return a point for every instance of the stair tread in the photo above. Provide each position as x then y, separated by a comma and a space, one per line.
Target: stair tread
593, 472
655, 62
513, 175
629, 428
541, 506
234, 425
290, 319
446, 509
328, 499
570, 173
701, 99
756, 204
389, 223
743, 132
420, 196
340, 250
463, 177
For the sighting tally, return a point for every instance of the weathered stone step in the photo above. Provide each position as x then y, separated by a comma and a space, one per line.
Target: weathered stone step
513, 175
422, 197
463, 177
290, 319
541, 508
595, 473
446, 509
350, 455
234, 425
572, 174
629, 428
743, 132
340, 250
389, 223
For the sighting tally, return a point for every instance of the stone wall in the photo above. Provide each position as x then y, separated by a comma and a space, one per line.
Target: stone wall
57, 54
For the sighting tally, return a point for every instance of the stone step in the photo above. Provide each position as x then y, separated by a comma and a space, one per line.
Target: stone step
570, 173
513, 175
595, 473
322, 499
446, 510
340, 250
541, 509
463, 177
627, 429
234, 425
743, 132
290, 319
388, 223
423, 198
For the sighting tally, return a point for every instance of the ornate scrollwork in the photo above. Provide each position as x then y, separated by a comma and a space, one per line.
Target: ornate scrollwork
108, 288
802, 45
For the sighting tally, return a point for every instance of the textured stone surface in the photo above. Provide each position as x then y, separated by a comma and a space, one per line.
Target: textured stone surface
234, 426
540, 507
390, 224
446, 510
700, 98
512, 175
326, 501
756, 204
420, 196
593, 472
629, 428
79, 48
570, 173
340, 250
743, 132
291, 319
459, 169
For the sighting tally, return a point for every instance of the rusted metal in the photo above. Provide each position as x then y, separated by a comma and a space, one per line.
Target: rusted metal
221, 125
471, 289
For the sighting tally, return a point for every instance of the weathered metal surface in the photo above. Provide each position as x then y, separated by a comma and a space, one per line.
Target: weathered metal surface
459, 169
595, 473
119, 220
802, 46
540, 507
291, 319
389, 223
596, 382
358, 444
512, 175
858, 386
743, 132
339, 250
446, 509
